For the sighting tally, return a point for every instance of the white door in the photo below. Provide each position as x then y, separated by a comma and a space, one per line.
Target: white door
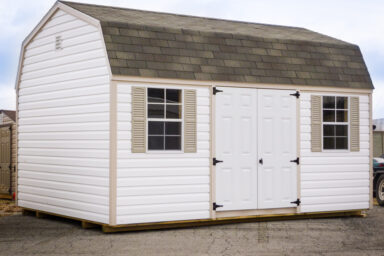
277, 175
236, 146
253, 125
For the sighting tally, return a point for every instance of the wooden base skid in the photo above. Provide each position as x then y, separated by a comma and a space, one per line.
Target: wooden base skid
197, 223
41, 214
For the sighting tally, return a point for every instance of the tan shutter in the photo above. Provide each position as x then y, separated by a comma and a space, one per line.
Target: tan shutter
139, 119
190, 121
355, 124
316, 139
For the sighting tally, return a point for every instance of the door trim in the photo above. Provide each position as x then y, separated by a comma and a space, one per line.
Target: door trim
298, 151
212, 167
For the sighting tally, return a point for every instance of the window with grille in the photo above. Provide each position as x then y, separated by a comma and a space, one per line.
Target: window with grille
164, 119
335, 122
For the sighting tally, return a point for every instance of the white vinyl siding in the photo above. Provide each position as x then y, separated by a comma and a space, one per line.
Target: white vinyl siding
334, 180
63, 123
162, 186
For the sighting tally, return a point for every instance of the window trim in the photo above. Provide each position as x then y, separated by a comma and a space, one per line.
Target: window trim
181, 120
348, 149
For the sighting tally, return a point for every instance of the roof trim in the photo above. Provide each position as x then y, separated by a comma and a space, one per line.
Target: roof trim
57, 6
209, 83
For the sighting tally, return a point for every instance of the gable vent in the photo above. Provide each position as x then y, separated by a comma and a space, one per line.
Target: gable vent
58, 43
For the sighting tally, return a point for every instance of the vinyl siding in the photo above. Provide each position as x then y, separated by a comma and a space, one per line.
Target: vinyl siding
332, 181
63, 104
164, 186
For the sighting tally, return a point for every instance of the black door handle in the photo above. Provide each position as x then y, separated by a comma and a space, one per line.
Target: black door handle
261, 161
297, 161
215, 161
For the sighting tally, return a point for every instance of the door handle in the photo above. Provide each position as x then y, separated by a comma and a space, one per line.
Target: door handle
215, 161
261, 161
297, 161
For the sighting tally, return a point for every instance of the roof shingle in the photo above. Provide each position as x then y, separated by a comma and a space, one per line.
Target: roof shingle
151, 44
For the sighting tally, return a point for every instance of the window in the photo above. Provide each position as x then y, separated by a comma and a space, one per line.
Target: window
164, 119
335, 122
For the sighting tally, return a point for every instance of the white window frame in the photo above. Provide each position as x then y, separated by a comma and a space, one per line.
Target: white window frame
336, 123
181, 120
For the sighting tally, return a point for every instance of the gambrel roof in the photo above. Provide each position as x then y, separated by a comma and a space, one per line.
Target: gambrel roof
162, 45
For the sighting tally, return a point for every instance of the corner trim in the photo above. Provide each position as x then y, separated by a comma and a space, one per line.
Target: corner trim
370, 153
112, 152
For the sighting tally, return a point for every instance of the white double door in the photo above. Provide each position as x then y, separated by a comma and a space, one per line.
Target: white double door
255, 134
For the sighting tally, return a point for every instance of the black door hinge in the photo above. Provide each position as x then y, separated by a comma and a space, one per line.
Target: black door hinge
215, 161
297, 161
215, 206
296, 94
298, 202
215, 90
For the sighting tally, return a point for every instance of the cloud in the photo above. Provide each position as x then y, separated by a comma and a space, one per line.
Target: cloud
16, 22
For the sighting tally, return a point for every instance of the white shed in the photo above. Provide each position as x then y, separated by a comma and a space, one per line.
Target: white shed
131, 118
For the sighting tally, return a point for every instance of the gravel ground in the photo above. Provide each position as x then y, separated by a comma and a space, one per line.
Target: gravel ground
28, 235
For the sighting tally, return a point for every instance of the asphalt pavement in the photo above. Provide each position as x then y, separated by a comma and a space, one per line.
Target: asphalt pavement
28, 235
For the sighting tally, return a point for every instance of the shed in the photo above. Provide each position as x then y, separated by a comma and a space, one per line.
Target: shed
128, 117
7, 153
378, 137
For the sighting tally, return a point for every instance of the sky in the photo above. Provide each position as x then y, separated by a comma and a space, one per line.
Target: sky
356, 21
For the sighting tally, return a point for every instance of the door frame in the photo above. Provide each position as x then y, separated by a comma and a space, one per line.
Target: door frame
9, 194
239, 213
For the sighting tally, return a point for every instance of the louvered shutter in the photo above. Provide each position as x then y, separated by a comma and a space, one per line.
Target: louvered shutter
138, 120
354, 137
190, 121
316, 140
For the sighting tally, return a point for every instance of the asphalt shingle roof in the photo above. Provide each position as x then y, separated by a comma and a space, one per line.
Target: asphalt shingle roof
162, 45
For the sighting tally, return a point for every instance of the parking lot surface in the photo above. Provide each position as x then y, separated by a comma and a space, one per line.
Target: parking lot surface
28, 235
